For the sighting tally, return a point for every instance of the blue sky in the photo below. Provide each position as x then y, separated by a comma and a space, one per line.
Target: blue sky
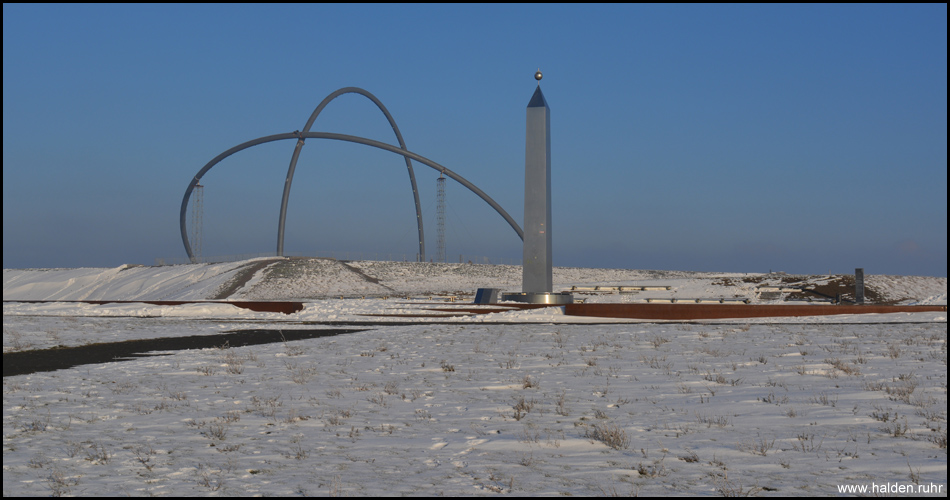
802, 138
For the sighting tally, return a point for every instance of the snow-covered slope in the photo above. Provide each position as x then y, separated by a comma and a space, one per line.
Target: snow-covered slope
189, 282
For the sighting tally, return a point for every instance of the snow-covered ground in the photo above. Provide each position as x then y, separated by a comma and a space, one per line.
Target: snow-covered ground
521, 402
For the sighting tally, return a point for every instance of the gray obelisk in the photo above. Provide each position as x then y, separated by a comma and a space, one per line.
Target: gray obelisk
536, 267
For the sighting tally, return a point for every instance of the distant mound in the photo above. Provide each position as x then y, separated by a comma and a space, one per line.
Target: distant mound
319, 278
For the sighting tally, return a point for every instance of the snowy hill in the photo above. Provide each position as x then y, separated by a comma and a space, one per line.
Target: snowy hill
319, 278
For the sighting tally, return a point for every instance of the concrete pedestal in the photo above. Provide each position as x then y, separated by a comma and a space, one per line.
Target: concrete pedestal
540, 298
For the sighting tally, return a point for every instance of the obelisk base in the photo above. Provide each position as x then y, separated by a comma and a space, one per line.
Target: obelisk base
554, 298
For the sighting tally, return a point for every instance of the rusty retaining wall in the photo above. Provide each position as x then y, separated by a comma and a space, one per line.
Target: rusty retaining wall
727, 311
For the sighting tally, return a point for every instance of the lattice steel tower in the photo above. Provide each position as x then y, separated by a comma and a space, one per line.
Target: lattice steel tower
440, 219
197, 211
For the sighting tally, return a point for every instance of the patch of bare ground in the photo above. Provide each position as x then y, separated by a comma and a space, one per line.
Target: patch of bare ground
241, 277
363, 275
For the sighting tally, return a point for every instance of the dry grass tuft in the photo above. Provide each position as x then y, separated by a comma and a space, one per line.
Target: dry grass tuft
760, 446
611, 435
728, 488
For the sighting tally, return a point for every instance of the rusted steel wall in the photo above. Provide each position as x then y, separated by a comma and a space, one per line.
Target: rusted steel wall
726, 311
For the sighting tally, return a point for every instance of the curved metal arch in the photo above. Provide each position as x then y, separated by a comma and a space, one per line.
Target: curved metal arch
300, 141
338, 137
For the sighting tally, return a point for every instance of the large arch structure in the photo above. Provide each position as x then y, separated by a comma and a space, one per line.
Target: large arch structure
338, 137
300, 142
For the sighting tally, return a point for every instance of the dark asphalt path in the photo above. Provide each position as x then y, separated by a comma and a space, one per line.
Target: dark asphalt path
44, 360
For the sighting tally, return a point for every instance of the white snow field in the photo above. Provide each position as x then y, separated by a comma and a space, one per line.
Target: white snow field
522, 402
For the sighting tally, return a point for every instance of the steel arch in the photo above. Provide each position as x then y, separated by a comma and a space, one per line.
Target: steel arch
300, 142
338, 137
